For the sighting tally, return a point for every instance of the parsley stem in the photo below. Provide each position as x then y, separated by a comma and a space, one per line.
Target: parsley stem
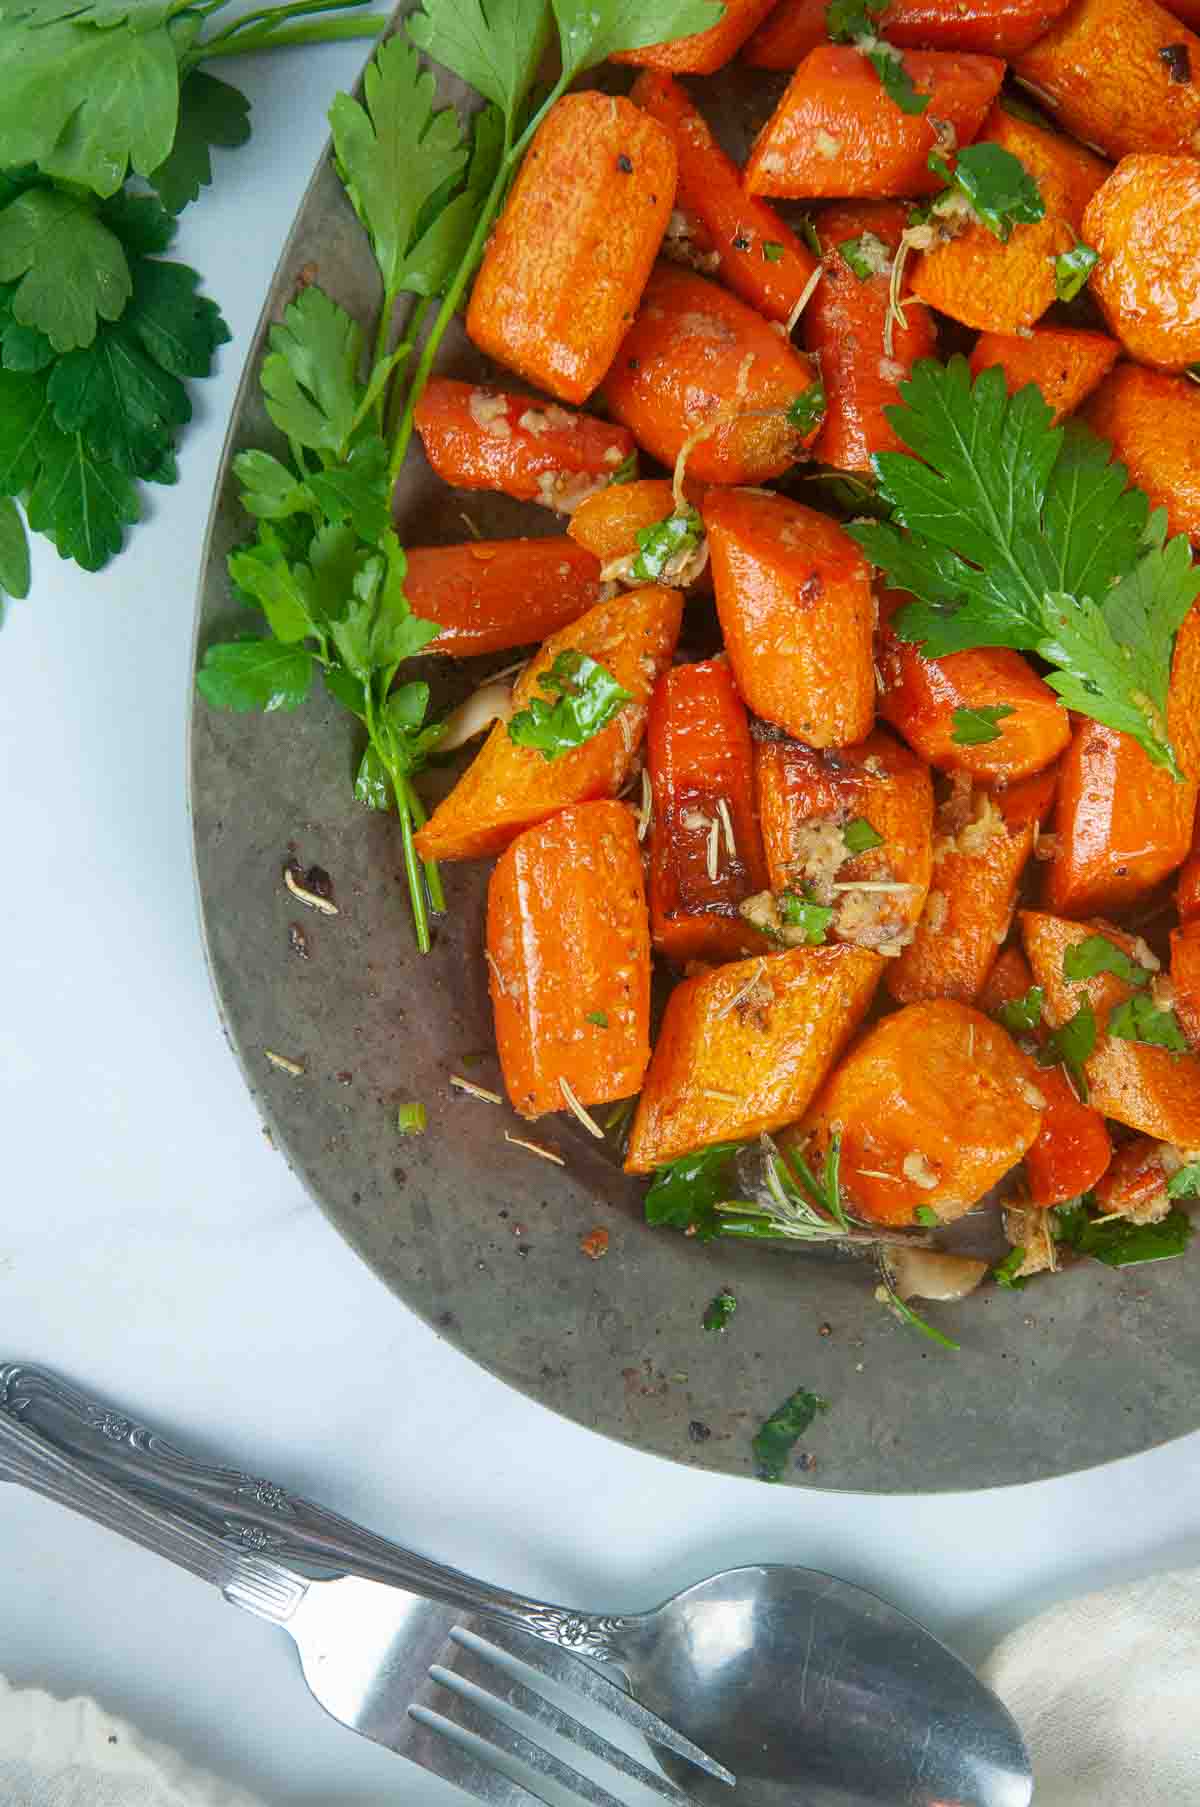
412, 865
433, 878
266, 29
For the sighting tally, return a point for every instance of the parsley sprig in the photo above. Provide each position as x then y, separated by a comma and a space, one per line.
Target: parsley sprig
582, 698
854, 22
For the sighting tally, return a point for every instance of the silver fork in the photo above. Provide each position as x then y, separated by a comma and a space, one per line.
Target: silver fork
483, 1703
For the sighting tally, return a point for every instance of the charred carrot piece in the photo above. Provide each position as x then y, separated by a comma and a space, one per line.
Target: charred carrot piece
988, 27
1104, 70
1006, 287
569, 960
836, 132
489, 595
575, 243
1185, 978
1121, 824
1065, 362
790, 30
1145, 224
698, 369
510, 787
1147, 1088
742, 1049
1152, 422
706, 852
794, 599
807, 803
478, 437
703, 51
843, 327
934, 1105
1135, 1186
923, 697
750, 248
1073, 1146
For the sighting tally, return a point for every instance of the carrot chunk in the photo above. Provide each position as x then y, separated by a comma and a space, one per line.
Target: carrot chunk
706, 851
1121, 824
575, 243
843, 329
989, 27
837, 132
1145, 224
1185, 978
806, 801
569, 960
492, 594
1135, 1186
794, 599
509, 787
981, 282
478, 437
934, 1105
697, 357
743, 1049
1065, 362
1152, 422
1102, 69
1147, 1088
787, 34
703, 51
1187, 892
749, 247
922, 697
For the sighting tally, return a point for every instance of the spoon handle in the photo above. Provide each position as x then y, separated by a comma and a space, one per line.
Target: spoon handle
255, 1516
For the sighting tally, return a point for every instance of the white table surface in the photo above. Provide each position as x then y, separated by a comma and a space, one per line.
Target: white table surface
152, 1243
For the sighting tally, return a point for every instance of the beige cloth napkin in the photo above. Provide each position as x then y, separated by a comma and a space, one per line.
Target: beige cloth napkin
1107, 1692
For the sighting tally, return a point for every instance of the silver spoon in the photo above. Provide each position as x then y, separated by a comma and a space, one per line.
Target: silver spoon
813, 1692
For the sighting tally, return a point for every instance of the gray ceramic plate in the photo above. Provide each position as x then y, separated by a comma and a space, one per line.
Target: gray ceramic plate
483, 1239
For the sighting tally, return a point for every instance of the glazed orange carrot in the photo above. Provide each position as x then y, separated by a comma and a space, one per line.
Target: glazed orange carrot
1152, 422
1101, 67
843, 327
1187, 892
492, 594
1004, 288
742, 1049
706, 852
991, 27
1121, 824
806, 800
794, 600
571, 252
934, 1104
978, 860
1073, 1146
697, 354
1145, 224
478, 437
790, 30
609, 522
707, 50
1029, 803
1066, 362
1135, 1186
750, 248
1185, 978
509, 787
836, 132
1147, 1088
568, 951
920, 697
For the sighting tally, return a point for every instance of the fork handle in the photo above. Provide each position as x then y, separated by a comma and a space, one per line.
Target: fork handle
240, 1513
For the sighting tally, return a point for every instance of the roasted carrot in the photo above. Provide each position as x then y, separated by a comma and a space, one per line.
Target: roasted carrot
978, 860
699, 369
1147, 1088
1121, 824
510, 787
1187, 892
991, 27
703, 51
743, 1049
843, 328
1004, 288
1152, 422
1135, 1186
794, 599
749, 247
1145, 224
1102, 67
478, 437
493, 594
1185, 978
806, 800
933, 1105
790, 30
706, 852
609, 522
837, 132
571, 252
1066, 362
568, 950
1073, 1146
921, 698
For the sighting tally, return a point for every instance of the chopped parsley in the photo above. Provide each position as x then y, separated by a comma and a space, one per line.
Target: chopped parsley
928, 1216
1097, 954
1072, 269
854, 22
1020, 1016
586, 699
1139, 1020
772, 251
975, 727
1185, 1182
1008, 1272
599, 1017
1000, 189
626, 471
799, 913
859, 836
664, 541
1070, 1045
779, 1434
866, 256
808, 410
1119, 1242
411, 1119
718, 1312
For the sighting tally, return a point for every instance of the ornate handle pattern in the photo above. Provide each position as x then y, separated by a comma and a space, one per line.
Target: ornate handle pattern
246, 1517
